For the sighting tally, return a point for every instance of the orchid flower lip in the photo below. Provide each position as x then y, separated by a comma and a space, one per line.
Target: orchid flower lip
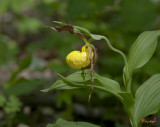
80, 59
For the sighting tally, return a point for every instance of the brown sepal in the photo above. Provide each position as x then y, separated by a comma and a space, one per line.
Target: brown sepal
69, 28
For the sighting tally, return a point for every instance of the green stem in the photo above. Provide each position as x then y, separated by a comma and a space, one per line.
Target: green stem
116, 50
129, 86
85, 40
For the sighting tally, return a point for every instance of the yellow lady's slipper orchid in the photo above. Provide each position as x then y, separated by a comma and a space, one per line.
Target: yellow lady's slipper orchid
77, 59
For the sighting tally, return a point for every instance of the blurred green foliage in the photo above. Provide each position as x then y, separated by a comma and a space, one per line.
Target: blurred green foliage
30, 56
12, 105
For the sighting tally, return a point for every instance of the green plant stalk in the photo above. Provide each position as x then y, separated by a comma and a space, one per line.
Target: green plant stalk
123, 56
115, 50
126, 83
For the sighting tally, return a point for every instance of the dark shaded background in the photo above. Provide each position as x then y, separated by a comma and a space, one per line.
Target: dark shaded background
30, 56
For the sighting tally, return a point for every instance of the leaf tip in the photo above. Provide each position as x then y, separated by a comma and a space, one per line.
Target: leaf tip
45, 90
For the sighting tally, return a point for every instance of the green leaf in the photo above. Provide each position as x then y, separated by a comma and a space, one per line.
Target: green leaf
82, 79
141, 51
147, 98
59, 84
23, 64
87, 33
67, 84
63, 123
